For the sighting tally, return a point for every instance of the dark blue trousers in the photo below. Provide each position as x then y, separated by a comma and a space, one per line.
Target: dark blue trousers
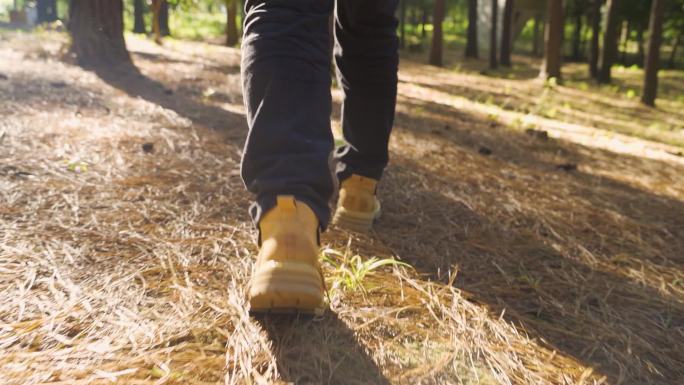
286, 84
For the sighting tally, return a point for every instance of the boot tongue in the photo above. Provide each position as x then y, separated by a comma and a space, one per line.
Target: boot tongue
361, 182
285, 208
286, 203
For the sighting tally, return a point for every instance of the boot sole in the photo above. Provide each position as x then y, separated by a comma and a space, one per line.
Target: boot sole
355, 221
286, 288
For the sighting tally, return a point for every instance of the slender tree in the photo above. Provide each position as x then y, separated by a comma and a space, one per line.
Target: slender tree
535, 35
624, 41
674, 13
471, 43
139, 16
494, 35
231, 23
156, 29
96, 28
655, 37
424, 20
164, 29
673, 53
47, 10
610, 37
641, 56
551, 67
506, 37
577, 33
594, 47
437, 35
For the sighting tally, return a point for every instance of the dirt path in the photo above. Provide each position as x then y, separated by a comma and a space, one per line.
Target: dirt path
552, 256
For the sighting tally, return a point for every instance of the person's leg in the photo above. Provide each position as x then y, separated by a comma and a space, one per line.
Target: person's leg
366, 54
286, 85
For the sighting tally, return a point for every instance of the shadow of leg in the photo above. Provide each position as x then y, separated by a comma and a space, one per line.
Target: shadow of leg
319, 351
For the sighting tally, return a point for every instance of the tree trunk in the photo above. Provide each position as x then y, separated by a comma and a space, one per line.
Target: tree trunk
583, 41
640, 44
535, 36
506, 37
424, 21
493, 60
402, 24
47, 11
577, 36
96, 28
609, 49
164, 19
626, 31
231, 23
673, 54
437, 36
139, 16
156, 8
472, 50
594, 49
655, 38
551, 67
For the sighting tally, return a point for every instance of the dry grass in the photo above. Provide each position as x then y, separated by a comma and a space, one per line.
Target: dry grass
120, 265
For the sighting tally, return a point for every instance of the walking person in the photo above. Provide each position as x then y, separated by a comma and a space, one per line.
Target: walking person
286, 85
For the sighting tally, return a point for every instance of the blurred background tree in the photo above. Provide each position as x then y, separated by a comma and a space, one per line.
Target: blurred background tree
47, 10
553, 41
231, 23
139, 16
655, 38
96, 28
600, 33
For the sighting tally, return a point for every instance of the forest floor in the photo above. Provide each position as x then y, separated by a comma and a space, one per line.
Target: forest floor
544, 227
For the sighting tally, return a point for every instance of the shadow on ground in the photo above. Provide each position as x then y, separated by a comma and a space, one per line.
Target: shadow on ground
130, 80
515, 262
319, 351
569, 287
307, 350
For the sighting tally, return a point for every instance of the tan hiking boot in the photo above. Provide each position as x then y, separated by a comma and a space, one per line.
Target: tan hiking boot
357, 206
287, 275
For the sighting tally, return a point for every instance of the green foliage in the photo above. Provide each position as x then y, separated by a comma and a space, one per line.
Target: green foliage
165, 372
62, 9
550, 113
551, 83
339, 142
197, 25
5, 7
188, 19
205, 19
350, 271
76, 165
